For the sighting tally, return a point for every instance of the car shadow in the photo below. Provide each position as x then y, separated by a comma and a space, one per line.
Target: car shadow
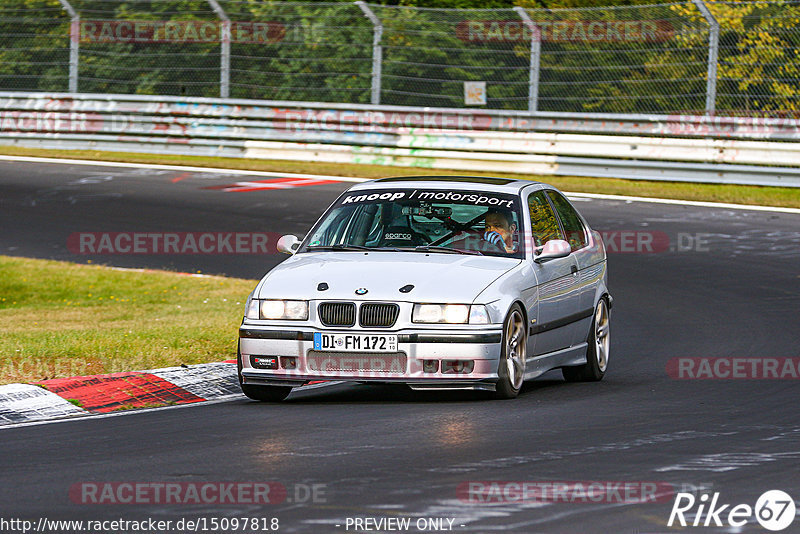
401, 393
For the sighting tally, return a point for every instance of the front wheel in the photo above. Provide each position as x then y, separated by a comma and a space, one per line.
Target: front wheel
597, 354
511, 368
260, 393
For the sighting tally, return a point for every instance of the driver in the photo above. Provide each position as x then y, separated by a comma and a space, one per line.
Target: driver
500, 228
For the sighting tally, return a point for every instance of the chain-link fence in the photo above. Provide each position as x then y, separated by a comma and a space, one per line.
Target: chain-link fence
687, 57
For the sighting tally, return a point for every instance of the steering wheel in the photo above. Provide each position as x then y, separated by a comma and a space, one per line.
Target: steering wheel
475, 240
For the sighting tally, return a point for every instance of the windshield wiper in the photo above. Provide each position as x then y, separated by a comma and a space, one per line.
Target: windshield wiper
450, 250
339, 247
421, 248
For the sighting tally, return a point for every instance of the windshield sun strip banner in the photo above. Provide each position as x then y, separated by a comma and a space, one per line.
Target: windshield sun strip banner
474, 198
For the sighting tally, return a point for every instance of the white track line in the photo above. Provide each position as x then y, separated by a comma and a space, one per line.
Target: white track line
241, 172
180, 168
718, 205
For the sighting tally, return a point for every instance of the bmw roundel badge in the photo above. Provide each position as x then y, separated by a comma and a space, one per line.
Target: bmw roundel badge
361, 291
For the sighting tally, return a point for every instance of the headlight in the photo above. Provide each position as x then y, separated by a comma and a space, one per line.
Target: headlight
273, 309
450, 314
295, 310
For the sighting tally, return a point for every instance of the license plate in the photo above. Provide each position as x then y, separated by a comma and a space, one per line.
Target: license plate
355, 342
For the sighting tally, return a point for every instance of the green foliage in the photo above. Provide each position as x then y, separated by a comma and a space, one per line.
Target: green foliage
322, 51
34, 54
759, 70
59, 319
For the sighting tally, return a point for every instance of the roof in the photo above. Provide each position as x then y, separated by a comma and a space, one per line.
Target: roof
459, 182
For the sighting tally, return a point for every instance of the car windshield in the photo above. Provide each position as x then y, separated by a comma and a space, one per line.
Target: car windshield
421, 220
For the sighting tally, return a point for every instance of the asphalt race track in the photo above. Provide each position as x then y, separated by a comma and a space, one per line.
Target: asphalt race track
724, 284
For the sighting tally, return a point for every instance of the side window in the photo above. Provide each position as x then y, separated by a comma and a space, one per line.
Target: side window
544, 225
573, 226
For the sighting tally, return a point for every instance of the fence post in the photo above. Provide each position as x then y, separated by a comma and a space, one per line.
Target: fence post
713, 55
536, 54
74, 44
225, 51
377, 51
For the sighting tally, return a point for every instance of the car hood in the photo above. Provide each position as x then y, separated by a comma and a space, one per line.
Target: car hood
436, 277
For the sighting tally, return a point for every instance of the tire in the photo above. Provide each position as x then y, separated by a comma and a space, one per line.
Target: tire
598, 351
260, 393
511, 368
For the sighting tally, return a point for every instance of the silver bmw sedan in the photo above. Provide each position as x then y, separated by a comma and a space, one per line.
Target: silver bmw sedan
438, 282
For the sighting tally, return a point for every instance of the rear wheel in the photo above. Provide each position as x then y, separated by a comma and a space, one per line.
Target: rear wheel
511, 368
597, 354
260, 393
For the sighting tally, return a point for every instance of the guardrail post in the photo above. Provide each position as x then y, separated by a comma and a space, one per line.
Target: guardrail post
74, 44
536, 54
225, 50
377, 51
713, 55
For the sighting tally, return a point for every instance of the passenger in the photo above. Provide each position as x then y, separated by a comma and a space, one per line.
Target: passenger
500, 229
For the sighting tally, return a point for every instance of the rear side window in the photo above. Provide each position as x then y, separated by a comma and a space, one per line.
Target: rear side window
544, 225
573, 226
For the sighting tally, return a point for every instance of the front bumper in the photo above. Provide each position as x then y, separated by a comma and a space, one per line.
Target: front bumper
479, 348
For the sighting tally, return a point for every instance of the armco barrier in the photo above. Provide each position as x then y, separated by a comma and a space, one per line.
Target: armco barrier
684, 148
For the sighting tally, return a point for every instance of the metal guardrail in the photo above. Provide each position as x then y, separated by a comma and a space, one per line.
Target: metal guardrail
655, 147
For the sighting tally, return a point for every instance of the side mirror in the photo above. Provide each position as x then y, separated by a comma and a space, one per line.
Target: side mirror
288, 244
555, 248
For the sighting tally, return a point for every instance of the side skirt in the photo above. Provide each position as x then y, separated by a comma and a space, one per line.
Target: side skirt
475, 386
539, 365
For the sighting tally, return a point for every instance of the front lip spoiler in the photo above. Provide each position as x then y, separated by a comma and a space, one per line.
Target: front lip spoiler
416, 384
450, 338
298, 335
291, 335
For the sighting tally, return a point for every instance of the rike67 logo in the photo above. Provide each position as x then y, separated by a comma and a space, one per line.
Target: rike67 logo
774, 510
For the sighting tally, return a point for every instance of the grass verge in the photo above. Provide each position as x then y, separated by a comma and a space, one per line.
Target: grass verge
59, 319
738, 194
